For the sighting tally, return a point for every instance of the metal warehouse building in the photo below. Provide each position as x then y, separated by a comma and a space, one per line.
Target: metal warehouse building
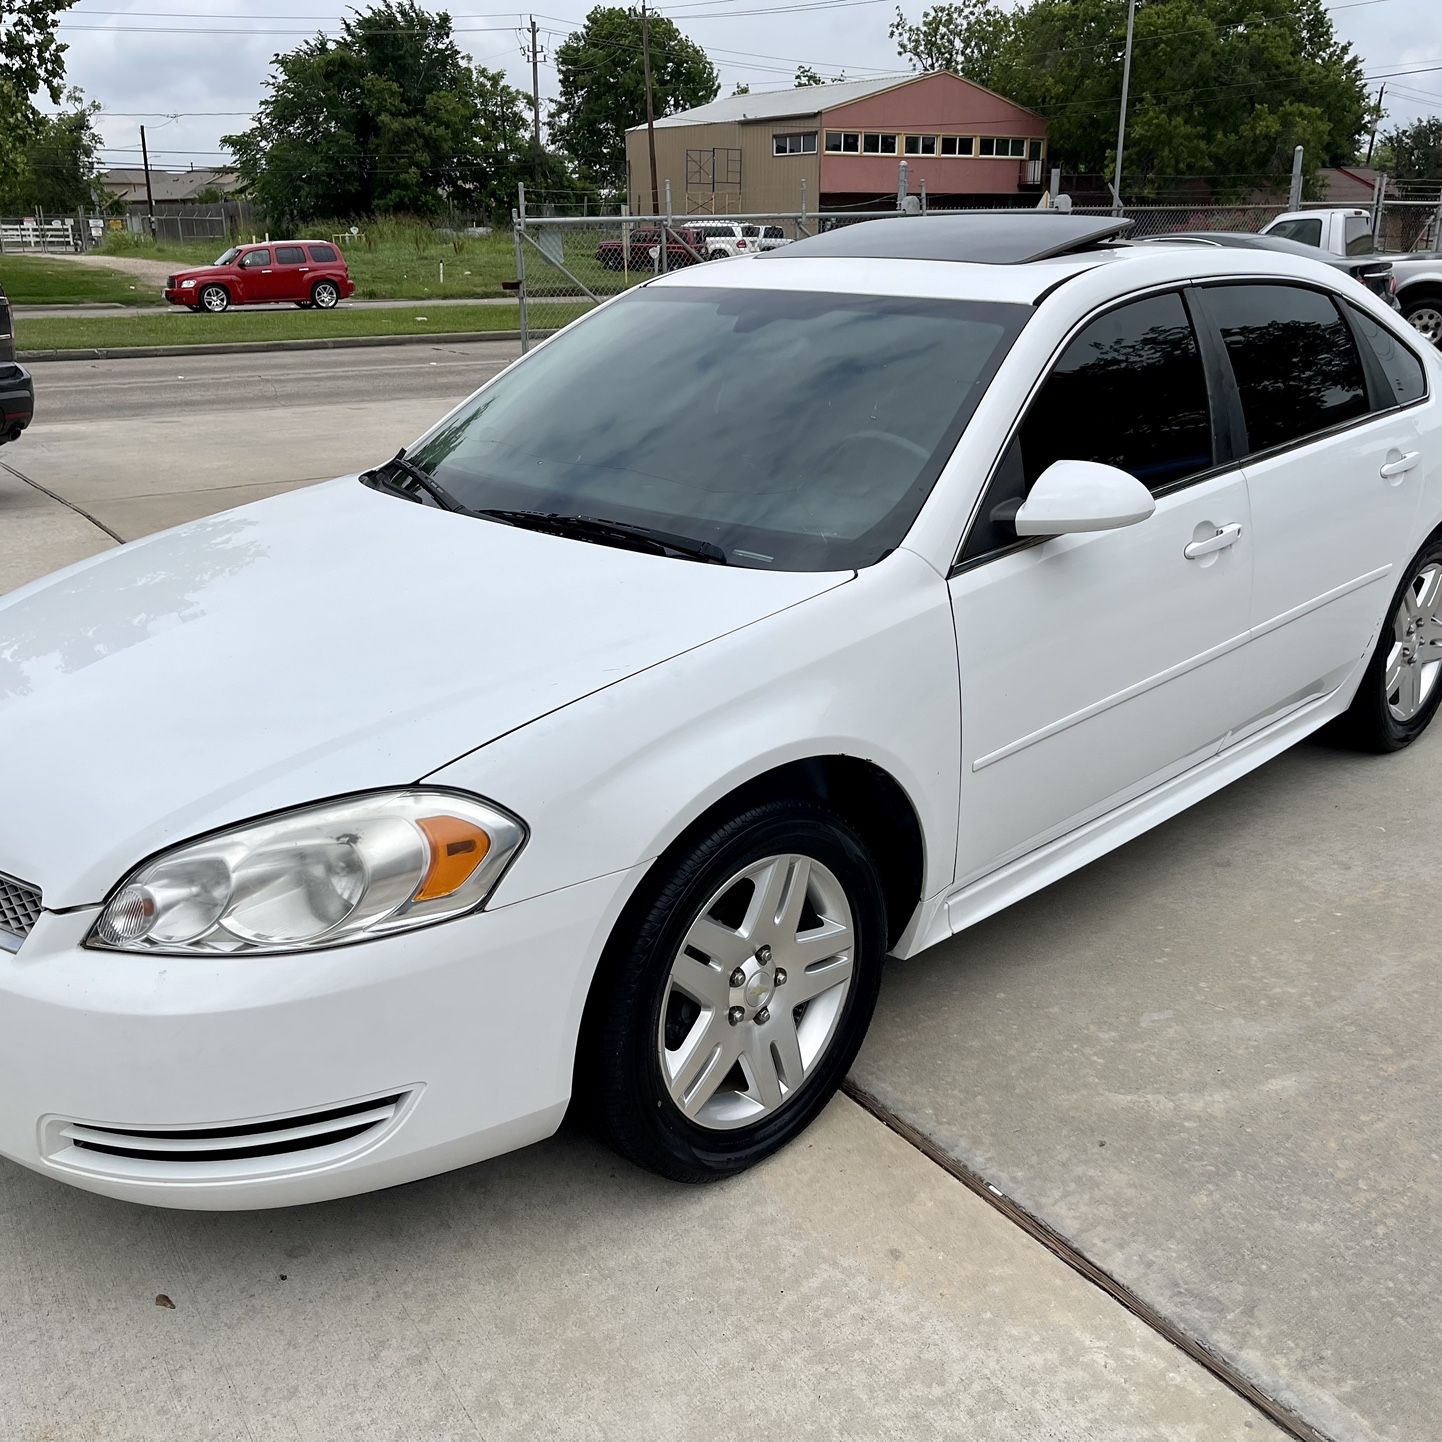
841, 143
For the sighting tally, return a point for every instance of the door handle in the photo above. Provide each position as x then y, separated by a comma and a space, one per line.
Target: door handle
1400, 466
1225, 536
265, 272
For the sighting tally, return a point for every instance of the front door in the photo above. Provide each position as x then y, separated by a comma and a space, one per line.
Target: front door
1333, 470
1095, 666
257, 276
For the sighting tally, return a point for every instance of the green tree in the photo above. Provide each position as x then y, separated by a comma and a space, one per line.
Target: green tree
54, 169
387, 117
32, 60
603, 88
1415, 151
1221, 90
806, 75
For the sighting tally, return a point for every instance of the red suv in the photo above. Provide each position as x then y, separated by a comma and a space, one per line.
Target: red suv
308, 272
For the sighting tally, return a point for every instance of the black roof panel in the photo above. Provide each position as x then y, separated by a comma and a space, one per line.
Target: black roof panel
990, 239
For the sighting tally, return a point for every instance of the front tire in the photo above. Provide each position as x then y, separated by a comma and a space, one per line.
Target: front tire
214, 299
1402, 686
735, 992
1424, 314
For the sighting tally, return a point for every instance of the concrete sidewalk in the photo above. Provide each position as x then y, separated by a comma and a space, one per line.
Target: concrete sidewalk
848, 1288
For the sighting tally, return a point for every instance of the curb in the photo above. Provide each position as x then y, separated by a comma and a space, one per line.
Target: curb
341, 342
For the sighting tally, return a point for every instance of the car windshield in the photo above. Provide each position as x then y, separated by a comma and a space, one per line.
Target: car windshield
795, 430
225, 257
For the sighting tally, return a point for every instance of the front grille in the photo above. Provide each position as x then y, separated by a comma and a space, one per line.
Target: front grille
290, 1137
19, 906
170, 282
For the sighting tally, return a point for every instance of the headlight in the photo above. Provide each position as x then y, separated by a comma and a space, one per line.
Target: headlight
319, 876
187, 285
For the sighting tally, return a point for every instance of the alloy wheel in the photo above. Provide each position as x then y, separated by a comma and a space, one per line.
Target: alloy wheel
214, 299
1414, 662
325, 295
1427, 320
756, 991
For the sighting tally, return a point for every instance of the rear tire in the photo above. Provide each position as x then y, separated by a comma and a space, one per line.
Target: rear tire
1424, 314
1402, 686
324, 295
698, 1065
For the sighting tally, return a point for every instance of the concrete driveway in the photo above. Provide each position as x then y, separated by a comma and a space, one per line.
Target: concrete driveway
1206, 1069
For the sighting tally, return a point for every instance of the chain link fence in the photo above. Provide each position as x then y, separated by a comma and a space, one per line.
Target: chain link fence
566, 264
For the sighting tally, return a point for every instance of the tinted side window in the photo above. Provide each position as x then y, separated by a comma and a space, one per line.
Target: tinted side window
289, 255
1309, 231
1297, 369
1129, 391
1404, 370
323, 254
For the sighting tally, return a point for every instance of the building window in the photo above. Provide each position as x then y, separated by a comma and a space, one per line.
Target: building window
794, 142
843, 142
1033, 149
873, 143
1004, 147
958, 145
921, 145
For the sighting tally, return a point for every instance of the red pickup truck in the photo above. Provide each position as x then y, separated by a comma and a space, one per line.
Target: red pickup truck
685, 247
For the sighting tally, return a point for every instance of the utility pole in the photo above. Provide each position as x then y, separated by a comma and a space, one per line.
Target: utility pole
650, 111
149, 194
1122, 122
535, 86
1376, 121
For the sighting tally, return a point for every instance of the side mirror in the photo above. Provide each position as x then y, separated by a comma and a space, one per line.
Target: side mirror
1071, 496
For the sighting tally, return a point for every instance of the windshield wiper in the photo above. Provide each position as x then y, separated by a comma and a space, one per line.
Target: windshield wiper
597, 528
418, 476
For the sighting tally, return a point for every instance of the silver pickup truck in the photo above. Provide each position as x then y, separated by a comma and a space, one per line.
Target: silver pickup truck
1348, 231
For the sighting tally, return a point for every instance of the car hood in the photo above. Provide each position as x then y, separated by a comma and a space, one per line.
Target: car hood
201, 272
326, 641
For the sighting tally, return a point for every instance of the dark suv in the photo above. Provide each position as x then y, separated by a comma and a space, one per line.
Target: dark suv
17, 390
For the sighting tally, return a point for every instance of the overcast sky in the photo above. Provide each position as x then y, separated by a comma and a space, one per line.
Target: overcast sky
184, 57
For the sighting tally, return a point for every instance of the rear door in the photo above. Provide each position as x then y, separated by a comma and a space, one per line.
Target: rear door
1332, 459
290, 277
1096, 666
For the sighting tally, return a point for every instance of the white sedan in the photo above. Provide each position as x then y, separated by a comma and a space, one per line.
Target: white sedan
600, 747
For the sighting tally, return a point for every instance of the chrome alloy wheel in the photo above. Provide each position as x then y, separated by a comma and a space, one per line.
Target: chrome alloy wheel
214, 299
325, 295
1427, 321
1415, 660
756, 991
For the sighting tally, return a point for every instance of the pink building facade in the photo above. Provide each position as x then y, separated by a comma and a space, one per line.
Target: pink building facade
956, 136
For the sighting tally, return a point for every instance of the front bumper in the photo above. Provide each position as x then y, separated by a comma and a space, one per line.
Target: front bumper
176, 296
216, 1084
17, 400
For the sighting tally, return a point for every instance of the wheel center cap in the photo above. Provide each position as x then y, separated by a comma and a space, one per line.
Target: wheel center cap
759, 989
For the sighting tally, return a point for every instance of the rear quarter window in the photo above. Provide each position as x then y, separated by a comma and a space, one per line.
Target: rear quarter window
1404, 371
324, 254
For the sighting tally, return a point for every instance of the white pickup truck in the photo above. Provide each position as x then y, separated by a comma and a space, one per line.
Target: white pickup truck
1348, 231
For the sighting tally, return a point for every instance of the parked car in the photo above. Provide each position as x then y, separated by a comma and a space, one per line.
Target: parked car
1347, 230
685, 245
631, 251
725, 238
889, 578
1372, 271
310, 273
17, 388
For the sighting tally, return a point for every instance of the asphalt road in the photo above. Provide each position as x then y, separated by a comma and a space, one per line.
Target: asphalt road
143, 444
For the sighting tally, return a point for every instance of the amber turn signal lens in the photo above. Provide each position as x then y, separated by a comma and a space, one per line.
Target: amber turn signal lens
457, 848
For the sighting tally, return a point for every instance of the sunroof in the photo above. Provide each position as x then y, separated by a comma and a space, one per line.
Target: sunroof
1010, 239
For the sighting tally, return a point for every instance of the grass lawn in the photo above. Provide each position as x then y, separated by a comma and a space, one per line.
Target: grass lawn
44, 280
78, 333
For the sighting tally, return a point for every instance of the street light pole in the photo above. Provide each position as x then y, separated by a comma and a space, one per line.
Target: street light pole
650, 108
1122, 121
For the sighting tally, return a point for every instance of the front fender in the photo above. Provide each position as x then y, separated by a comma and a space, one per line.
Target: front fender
866, 670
